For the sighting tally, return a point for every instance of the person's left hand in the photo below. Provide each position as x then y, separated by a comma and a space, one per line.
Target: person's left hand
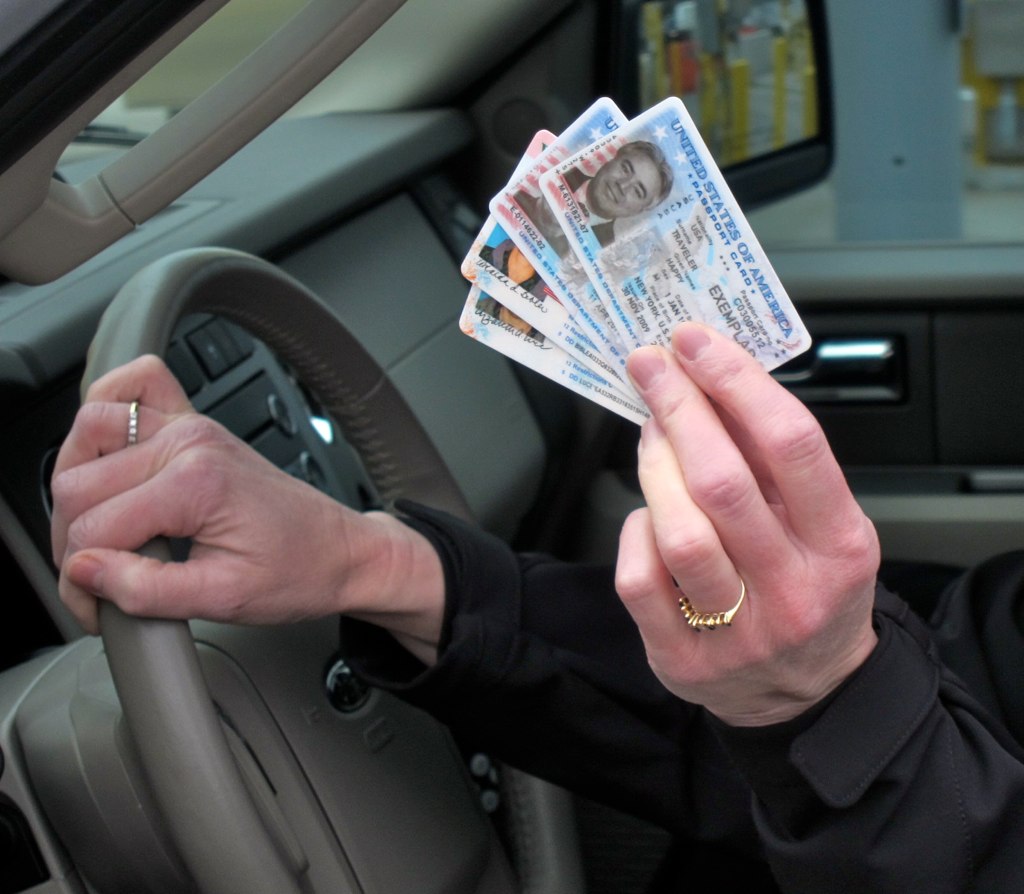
742, 490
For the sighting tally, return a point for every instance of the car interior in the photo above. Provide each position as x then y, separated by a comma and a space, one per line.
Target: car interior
276, 196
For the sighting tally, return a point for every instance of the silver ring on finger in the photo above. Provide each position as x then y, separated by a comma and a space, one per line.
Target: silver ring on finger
133, 423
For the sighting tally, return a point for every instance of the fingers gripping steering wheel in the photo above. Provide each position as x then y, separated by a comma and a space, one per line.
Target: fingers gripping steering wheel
154, 663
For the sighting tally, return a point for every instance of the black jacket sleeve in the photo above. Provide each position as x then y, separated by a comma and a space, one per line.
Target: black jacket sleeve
541, 666
901, 781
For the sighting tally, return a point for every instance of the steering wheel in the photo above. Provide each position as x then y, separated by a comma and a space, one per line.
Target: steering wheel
154, 663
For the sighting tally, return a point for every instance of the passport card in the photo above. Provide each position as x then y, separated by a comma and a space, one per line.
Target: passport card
484, 319
660, 235
521, 211
501, 270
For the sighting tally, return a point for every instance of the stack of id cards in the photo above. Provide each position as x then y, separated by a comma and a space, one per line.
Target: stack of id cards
605, 238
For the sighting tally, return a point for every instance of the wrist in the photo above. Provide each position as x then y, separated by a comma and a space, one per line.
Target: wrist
391, 576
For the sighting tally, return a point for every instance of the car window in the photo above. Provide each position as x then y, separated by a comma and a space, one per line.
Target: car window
199, 61
934, 134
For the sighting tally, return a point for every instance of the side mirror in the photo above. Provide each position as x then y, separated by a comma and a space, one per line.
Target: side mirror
754, 76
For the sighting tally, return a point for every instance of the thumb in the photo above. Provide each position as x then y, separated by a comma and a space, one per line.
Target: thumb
81, 579
137, 584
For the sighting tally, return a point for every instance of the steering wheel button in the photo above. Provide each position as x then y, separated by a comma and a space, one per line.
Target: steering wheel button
242, 339
209, 352
281, 415
185, 368
273, 445
229, 348
312, 472
246, 412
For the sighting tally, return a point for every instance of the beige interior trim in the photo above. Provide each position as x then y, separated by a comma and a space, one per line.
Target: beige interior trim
52, 227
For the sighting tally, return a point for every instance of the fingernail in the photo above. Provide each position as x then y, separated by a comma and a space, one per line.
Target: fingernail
690, 341
86, 572
645, 366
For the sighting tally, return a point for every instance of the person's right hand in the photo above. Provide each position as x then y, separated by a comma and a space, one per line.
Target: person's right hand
743, 497
266, 547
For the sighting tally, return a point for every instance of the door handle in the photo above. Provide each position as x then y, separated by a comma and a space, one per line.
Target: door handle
847, 370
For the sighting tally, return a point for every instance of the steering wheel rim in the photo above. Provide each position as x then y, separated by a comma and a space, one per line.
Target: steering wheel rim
154, 663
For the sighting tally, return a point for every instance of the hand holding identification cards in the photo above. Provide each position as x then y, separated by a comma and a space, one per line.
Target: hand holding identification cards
619, 231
